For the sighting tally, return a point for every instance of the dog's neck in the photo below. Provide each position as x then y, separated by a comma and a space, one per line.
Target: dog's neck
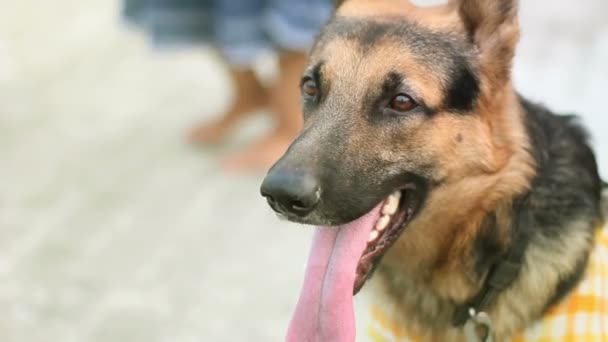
427, 278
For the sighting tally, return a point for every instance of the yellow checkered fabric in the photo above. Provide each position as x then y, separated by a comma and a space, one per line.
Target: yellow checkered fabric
582, 316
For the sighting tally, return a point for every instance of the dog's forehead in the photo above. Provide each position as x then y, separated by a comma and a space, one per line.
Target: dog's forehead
381, 32
369, 48
437, 16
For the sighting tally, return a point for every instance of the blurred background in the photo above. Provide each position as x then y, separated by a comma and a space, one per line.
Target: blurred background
113, 227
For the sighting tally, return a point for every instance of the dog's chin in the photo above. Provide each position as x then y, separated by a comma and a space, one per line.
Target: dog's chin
397, 211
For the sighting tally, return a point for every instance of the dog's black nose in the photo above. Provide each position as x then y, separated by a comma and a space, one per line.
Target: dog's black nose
290, 192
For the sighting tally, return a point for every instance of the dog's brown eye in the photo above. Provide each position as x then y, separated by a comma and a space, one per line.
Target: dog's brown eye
309, 88
402, 103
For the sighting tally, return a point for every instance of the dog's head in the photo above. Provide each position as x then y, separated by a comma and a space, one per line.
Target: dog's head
408, 110
396, 96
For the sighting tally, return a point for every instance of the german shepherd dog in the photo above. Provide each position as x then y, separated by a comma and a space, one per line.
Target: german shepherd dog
428, 169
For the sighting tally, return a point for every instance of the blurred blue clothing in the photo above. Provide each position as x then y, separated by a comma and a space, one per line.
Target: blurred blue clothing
240, 29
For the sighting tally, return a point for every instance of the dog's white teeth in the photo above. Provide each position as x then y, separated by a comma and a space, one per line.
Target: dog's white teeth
373, 236
382, 223
388, 209
392, 203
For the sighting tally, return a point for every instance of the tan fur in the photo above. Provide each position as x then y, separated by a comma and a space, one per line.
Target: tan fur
440, 16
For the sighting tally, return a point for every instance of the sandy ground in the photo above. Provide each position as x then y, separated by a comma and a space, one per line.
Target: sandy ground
112, 228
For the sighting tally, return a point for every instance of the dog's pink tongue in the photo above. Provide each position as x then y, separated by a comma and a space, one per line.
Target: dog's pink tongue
325, 309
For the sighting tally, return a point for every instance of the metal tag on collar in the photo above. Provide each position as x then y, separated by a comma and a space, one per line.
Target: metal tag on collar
479, 327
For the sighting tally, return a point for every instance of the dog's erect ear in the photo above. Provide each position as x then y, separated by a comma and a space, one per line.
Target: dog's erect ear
493, 27
482, 18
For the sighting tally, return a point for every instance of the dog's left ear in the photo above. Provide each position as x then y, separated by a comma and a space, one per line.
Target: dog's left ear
493, 27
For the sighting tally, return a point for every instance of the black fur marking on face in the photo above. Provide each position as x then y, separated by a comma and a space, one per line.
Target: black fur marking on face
372, 34
375, 102
316, 71
463, 89
322, 85
392, 83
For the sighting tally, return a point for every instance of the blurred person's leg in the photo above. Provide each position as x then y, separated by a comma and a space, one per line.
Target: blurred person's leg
285, 105
292, 26
240, 37
249, 96
172, 23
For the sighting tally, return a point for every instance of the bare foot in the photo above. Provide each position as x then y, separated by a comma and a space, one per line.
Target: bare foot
213, 132
260, 155
285, 100
250, 96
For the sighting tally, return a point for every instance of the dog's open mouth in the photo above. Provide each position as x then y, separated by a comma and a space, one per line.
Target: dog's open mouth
395, 213
341, 260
